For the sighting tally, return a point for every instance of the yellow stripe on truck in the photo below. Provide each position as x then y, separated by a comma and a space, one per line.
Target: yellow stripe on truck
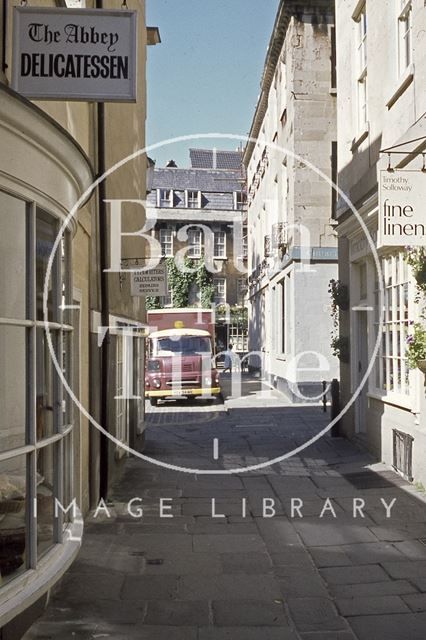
184, 392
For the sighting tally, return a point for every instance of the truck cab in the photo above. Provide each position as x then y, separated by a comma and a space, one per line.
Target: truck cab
179, 365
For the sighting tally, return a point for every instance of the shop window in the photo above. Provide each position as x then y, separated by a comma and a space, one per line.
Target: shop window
13, 507
33, 413
46, 463
392, 370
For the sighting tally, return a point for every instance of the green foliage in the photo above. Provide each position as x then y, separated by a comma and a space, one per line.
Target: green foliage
416, 341
238, 315
416, 258
204, 280
152, 302
180, 281
339, 302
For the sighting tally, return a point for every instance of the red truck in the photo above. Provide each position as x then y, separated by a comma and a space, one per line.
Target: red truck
180, 355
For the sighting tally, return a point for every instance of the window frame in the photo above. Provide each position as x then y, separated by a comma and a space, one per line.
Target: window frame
166, 253
399, 315
361, 66
218, 297
405, 36
193, 202
165, 202
195, 249
60, 441
219, 244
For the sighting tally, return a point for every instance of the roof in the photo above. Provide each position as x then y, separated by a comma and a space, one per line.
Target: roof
207, 180
215, 159
164, 333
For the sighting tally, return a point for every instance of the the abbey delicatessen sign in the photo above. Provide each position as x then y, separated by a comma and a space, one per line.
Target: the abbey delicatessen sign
75, 54
402, 208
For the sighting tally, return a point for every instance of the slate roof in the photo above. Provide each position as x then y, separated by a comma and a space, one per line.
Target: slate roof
215, 159
207, 181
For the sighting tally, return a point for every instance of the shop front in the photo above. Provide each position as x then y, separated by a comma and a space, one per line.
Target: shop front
43, 172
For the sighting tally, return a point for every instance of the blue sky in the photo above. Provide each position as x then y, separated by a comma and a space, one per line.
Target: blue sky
205, 75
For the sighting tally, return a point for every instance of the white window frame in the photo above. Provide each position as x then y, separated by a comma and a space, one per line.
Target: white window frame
166, 242
392, 375
240, 200
361, 67
191, 201
195, 242
405, 35
164, 201
75, 4
219, 296
219, 244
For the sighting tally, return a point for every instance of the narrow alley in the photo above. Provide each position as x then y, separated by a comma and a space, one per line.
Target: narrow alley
194, 574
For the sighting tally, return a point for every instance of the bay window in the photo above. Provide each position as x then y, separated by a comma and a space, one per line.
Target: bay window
35, 420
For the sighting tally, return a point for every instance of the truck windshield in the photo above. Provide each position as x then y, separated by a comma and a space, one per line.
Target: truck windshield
186, 345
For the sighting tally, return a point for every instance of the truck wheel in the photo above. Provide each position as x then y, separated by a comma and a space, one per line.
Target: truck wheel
153, 402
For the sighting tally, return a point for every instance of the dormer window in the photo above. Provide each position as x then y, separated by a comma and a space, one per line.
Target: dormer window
164, 198
193, 199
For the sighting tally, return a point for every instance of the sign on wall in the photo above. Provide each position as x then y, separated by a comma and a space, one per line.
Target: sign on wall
149, 283
73, 54
402, 210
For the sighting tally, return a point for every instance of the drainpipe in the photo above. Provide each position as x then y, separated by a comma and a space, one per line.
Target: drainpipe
103, 264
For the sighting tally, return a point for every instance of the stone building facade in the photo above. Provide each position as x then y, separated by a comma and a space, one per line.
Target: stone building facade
381, 75
201, 211
292, 247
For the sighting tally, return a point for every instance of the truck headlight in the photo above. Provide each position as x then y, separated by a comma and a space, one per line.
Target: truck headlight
157, 383
208, 381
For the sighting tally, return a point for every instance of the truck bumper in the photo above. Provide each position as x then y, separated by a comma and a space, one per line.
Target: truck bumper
170, 393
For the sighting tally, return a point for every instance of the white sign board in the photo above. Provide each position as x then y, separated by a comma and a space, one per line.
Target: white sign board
402, 208
149, 283
75, 54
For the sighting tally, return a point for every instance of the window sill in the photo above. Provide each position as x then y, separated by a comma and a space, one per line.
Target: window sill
220, 257
362, 135
403, 84
395, 400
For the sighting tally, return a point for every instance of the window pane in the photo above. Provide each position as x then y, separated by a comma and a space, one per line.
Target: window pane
45, 499
12, 387
12, 517
44, 385
68, 477
45, 238
12, 257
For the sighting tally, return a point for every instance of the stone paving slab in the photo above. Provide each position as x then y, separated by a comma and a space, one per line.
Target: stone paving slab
192, 577
390, 627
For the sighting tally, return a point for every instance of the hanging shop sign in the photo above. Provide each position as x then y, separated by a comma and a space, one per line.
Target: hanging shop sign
149, 283
402, 211
75, 54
